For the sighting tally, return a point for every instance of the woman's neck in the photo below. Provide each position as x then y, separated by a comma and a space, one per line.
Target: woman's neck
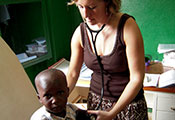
99, 25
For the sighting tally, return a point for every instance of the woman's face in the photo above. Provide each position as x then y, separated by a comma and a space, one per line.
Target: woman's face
92, 11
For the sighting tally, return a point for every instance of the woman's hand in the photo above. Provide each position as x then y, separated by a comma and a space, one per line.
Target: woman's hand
101, 115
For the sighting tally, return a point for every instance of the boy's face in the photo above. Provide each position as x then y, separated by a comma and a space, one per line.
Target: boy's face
53, 95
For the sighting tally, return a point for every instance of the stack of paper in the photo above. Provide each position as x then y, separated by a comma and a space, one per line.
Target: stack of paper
151, 80
62, 65
167, 79
24, 58
163, 80
164, 48
169, 59
85, 73
168, 51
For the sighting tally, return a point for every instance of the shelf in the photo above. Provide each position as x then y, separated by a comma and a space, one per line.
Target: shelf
168, 90
36, 60
26, 23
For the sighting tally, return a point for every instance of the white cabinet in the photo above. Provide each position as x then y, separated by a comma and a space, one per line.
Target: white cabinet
162, 104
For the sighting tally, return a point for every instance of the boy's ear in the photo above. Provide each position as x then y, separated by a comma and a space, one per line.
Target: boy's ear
38, 97
67, 91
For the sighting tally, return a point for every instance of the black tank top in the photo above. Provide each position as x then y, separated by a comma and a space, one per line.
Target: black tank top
116, 75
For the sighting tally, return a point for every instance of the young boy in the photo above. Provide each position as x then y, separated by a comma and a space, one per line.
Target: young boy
52, 91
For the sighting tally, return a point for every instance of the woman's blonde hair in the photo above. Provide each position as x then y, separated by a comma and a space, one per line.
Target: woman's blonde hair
113, 6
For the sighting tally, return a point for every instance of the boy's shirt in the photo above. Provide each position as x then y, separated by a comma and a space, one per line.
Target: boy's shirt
42, 114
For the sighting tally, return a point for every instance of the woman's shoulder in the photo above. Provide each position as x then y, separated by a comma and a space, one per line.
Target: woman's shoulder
127, 19
130, 20
76, 34
76, 38
131, 30
77, 30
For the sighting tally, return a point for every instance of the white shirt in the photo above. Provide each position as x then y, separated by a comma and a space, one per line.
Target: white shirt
43, 114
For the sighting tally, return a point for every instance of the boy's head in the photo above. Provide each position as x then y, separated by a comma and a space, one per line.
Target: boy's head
52, 90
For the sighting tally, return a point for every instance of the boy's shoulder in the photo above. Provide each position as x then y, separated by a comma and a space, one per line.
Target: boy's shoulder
79, 113
72, 106
72, 111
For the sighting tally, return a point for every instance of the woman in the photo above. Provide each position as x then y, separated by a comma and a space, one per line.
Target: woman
119, 47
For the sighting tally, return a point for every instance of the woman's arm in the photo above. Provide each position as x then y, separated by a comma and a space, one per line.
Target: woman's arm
76, 59
135, 56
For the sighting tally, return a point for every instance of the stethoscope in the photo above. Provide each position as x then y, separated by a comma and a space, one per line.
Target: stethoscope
98, 59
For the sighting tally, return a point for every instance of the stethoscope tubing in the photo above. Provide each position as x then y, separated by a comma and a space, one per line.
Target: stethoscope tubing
98, 59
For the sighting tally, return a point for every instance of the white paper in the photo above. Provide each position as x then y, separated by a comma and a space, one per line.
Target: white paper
151, 80
85, 73
167, 78
169, 59
163, 48
63, 66
24, 58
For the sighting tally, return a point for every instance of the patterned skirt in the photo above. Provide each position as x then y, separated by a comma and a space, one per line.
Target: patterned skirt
136, 110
